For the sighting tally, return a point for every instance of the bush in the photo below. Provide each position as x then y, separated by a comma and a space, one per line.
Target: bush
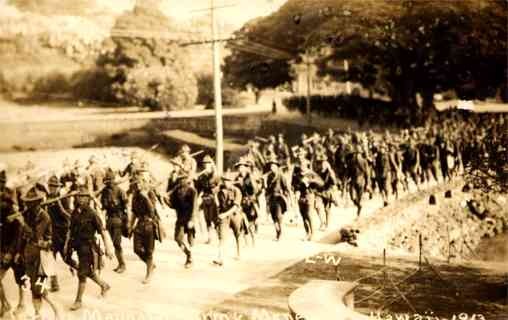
347, 107
159, 88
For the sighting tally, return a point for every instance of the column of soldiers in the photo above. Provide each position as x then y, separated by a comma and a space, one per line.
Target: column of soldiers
68, 213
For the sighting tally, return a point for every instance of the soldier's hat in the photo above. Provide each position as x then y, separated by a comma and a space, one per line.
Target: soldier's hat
207, 159
109, 176
3, 176
184, 149
92, 159
33, 194
432, 199
53, 181
229, 176
448, 194
243, 162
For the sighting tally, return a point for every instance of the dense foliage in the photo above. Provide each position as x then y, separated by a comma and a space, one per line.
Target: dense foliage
153, 72
397, 48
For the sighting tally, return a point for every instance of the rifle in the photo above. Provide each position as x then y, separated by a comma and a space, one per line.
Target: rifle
197, 153
309, 140
261, 139
48, 202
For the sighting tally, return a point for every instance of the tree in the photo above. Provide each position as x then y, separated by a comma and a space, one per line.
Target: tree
398, 48
153, 72
244, 69
487, 169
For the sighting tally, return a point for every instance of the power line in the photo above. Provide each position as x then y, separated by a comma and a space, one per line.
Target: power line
215, 7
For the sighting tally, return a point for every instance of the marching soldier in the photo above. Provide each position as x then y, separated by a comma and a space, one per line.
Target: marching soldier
395, 168
305, 182
229, 199
10, 236
340, 164
36, 237
411, 162
207, 184
249, 188
358, 174
326, 194
383, 172
144, 225
188, 163
445, 154
60, 215
277, 191
282, 151
85, 225
114, 202
429, 159
96, 174
255, 155
306, 146
184, 201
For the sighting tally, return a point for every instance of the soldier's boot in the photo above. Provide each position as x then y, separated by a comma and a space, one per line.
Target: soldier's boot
121, 263
104, 286
209, 233
150, 266
54, 286
37, 304
188, 262
79, 297
20, 308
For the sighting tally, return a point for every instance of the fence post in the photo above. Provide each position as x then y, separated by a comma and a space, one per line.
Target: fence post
420, 245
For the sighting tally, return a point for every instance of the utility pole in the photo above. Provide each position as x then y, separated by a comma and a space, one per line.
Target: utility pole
309, 115
309, 61
348, 83
219, 152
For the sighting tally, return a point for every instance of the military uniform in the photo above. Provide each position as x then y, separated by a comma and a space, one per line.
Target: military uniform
282, 151
255, 155
229, 200
114, 203
10, 244
85, 225
306, 183
184, 200
411, 162
429, 159
383, 172
359, 174
61, 220
144, 213
207, 186
250, 189
326, 194
276, 190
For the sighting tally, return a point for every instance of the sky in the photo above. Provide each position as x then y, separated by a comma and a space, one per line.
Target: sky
239, 13
182, 10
